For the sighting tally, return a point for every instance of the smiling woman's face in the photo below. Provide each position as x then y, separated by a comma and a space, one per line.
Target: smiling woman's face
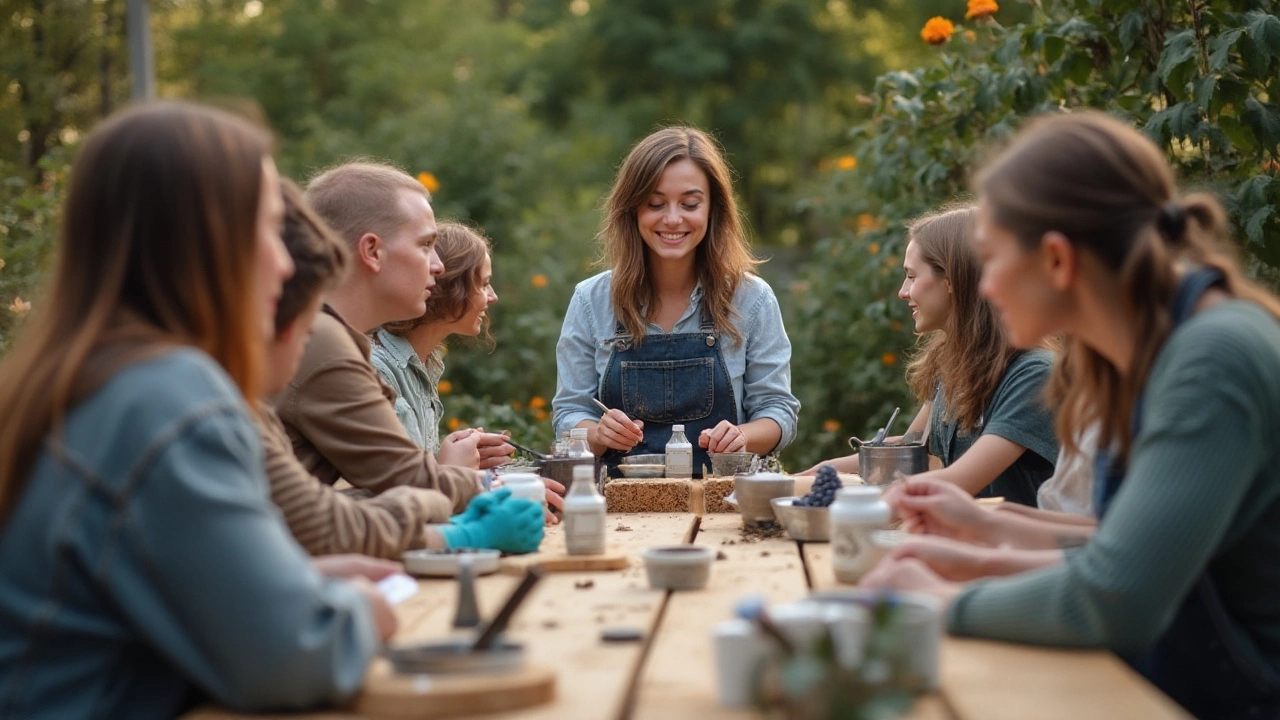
926, 291
673, 221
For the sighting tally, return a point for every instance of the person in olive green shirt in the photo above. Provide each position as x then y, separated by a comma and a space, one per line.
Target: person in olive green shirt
1082, 232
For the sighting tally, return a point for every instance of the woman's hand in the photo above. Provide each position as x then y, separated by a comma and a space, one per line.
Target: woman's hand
461, 448
350, 565
384, 618
555, 499
492, 449
617, 431
911, 575
950, 559
936, 507
724, 437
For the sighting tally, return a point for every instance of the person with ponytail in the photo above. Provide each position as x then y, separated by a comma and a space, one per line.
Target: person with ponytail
1175, 356
982, 409
142, 565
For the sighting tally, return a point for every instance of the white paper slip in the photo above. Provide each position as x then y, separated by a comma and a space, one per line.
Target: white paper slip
397, 588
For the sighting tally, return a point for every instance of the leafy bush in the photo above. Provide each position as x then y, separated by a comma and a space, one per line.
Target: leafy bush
28, 225
1201, 78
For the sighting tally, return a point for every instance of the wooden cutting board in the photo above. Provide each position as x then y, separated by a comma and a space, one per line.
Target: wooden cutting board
427, 697
563, 562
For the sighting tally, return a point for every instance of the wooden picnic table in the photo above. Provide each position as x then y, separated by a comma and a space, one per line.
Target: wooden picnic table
671, 674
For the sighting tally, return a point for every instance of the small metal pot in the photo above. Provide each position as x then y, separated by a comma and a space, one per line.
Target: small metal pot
561, 469
877, 464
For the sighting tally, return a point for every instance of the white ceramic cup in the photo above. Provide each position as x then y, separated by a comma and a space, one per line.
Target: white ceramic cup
527, 486
741, 650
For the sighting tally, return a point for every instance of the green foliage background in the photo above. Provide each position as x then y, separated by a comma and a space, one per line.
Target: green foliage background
523, 110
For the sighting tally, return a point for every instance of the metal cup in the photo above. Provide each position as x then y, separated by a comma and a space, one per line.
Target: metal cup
878, 463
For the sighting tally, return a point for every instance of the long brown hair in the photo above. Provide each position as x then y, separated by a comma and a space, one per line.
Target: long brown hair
156, 249
462, 250
970, 354
721, 259
1111, 192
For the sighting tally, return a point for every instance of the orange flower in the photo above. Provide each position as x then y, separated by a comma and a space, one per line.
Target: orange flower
891, 261
517, 405
895, 325
537, 403
937, 31
847, 162
831, 426
888, 358
453, 424
873, 249
981, 9
971, 36
538, 281
445, 387
867, 221
539, 414
429, 181
19, 306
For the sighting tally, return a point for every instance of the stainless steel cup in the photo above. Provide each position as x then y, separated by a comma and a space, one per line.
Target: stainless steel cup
878, 463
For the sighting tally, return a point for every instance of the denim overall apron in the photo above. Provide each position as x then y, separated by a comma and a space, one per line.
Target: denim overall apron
665, 380
1201, 660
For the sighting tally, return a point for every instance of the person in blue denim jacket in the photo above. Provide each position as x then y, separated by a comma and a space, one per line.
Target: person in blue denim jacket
142, 565
680, 330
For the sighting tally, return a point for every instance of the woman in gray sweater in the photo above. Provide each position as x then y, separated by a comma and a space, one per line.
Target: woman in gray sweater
1176, 356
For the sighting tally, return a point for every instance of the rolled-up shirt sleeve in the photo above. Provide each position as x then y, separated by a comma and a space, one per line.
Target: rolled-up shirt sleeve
576, 377
766, 388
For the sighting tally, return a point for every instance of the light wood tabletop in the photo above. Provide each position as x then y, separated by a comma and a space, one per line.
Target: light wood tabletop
670, 673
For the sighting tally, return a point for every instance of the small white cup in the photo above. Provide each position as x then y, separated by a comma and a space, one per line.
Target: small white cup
527, 486
741, 650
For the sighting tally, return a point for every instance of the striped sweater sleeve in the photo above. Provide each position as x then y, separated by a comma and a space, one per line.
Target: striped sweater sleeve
1205, 443
325, 521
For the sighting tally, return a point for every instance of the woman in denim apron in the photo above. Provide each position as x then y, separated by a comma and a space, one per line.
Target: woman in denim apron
680, 330
1177, 356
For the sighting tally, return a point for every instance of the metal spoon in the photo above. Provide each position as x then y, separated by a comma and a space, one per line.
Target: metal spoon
879, 438
468, 614
523, 449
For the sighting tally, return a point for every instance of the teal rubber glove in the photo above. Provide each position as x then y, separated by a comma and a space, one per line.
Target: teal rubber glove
479, 506
512, 525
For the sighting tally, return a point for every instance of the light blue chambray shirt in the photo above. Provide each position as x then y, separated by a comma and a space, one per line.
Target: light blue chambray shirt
416, 384
759, 367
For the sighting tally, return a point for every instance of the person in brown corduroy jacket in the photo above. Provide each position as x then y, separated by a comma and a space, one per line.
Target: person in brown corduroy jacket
322, 519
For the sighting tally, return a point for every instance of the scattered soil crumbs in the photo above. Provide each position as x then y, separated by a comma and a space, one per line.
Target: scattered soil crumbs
764, 553
584, 584
550, 624
763, 531
622, 528
721, 556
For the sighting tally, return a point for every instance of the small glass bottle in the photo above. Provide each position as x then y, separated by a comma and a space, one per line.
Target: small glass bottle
679, 454
561, 447
584, 514
578, 446
856, 512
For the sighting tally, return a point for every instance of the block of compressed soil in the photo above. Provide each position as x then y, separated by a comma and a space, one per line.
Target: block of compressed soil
714, 490
632, 495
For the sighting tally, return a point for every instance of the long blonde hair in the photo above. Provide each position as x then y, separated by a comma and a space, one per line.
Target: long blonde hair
1111, 192
970, 354
722, 258
156, 249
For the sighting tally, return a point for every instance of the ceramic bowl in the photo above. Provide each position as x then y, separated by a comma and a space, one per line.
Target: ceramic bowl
636, 470
807, 524
730, 464
753, 493
444, 563
678, 567
456, 657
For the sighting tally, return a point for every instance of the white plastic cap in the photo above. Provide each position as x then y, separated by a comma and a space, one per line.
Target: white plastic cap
578, 433
677, 428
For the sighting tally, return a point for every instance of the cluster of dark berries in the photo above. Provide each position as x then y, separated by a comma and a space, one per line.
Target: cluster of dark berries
824, 489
